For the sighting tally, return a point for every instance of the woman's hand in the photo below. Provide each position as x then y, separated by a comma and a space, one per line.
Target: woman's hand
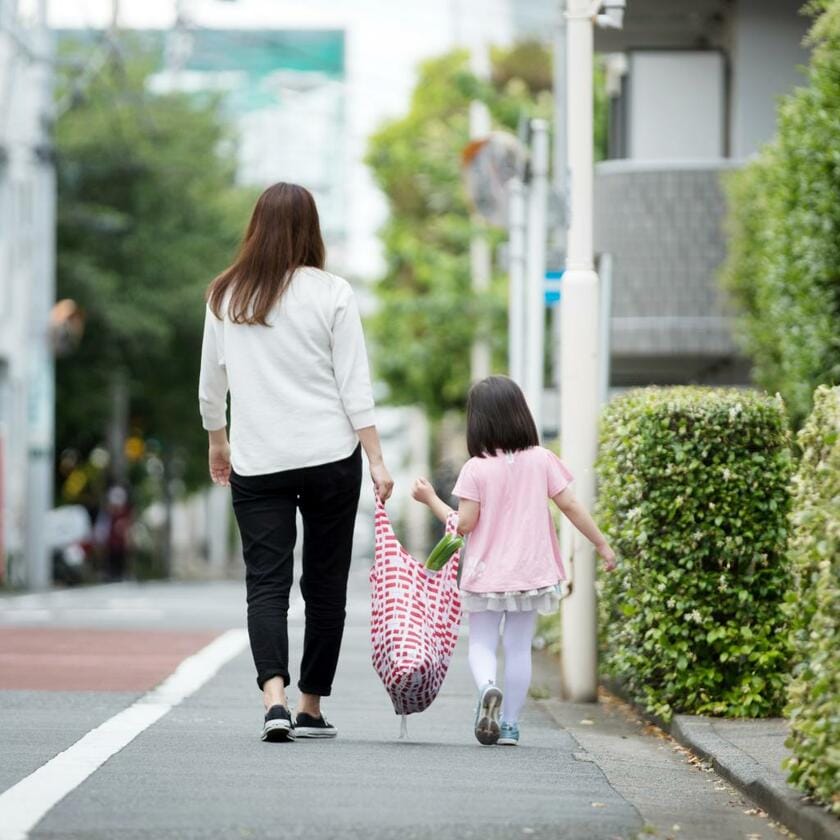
607, 555
219, 458
382, 481
422, 491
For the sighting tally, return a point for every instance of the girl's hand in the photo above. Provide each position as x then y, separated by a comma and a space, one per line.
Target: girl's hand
219, 460
422, 491
607, 555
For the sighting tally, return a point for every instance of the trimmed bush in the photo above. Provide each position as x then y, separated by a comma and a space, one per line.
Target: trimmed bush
814, 693
784, 225
694, 497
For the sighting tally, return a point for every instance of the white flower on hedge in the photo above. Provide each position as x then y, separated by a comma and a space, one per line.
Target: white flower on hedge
671, 603
727, 473
695, 616
722, 583
634, 513
735, 411
697, 536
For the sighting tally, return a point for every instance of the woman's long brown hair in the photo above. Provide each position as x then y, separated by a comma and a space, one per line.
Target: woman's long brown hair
284, 234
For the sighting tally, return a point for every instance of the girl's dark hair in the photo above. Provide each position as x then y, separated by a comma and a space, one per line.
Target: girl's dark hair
284, 234
498, 418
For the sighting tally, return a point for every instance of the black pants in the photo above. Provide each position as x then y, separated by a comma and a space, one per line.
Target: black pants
265, 508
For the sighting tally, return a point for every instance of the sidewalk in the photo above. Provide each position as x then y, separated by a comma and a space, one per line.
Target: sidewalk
200, 771
749, 754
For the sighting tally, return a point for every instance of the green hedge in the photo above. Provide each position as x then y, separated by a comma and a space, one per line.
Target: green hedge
694, 496
784, 224
814, 693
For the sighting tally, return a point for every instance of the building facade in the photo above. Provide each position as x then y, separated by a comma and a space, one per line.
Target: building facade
693, 88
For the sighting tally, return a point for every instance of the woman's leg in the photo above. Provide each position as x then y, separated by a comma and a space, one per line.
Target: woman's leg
328, 504
265, 508
484, 641
517, 638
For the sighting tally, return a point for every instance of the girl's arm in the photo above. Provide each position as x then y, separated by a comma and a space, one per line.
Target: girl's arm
580, 518
468, 511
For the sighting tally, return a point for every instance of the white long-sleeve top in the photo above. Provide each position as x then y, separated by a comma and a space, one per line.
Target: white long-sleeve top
299, 387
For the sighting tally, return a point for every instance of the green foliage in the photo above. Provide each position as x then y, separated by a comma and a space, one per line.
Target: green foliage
428, 315
814, 693
694, 498
147, 214
783, 267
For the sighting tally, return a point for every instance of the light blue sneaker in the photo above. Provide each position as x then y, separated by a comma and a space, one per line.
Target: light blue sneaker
508, 735
487, 714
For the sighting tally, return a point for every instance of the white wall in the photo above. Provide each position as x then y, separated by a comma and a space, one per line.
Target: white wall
676, 105
766, 52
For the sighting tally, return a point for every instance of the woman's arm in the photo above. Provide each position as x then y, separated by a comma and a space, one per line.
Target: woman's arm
219, 457
468, 511
580, 518
212, 379
384, 484
212, 401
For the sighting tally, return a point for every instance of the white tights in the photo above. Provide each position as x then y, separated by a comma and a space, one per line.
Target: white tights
516, 639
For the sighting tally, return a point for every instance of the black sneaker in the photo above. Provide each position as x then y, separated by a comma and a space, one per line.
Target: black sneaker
307, 726
278, 725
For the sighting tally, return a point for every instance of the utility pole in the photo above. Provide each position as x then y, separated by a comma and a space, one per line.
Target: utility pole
536, 239
579, 374
41, 387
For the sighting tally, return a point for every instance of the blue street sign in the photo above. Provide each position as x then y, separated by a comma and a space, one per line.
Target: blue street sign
553, 283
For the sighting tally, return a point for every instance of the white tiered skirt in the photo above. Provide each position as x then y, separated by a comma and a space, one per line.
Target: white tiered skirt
545, 600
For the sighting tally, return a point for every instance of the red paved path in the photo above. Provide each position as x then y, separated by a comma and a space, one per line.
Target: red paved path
64, 659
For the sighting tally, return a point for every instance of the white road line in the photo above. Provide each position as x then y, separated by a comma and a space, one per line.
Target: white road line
24, 805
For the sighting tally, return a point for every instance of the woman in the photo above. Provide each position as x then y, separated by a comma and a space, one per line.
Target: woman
285, 337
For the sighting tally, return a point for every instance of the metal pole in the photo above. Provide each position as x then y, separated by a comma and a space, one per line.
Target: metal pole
480, 256
605, 274
536, 237
559, 173
559, 74
516, 282
579, 357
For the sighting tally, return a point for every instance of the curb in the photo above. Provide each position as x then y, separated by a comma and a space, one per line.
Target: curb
781, 802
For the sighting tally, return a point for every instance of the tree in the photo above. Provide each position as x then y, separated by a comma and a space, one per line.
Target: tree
148, 213
784, 223
428, 315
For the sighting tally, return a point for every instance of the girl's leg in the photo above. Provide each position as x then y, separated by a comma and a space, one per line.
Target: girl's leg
484, 641
517, 637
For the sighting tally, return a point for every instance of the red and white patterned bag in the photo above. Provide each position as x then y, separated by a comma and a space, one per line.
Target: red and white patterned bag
415, 619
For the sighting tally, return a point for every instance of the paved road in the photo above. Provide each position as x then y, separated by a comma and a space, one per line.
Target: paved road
199, 770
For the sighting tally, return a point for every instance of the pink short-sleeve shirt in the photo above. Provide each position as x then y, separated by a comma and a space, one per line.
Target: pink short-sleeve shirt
514, 546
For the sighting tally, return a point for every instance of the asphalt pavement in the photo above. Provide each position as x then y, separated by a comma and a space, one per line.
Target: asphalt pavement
197, 769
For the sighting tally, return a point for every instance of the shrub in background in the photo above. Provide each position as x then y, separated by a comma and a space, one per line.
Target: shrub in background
784, 224
814, 693
694, 497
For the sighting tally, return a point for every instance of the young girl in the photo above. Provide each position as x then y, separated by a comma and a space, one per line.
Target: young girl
512, 565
